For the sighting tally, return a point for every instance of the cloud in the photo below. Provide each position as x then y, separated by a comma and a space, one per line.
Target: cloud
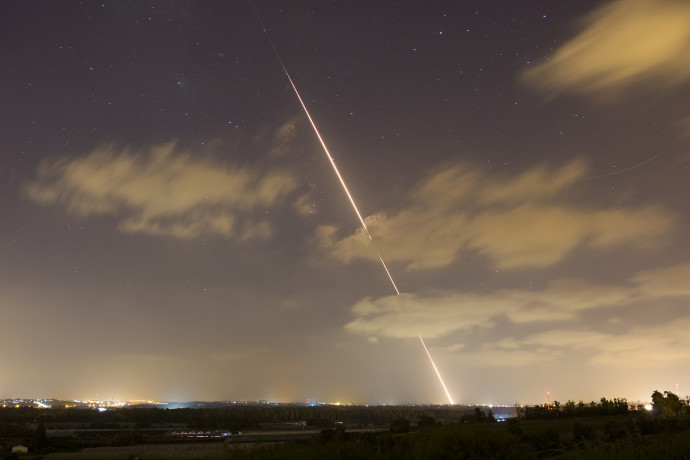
658, 346
682, 127
160, 192
233, 356
621, 46
672, 281
526, 221
283, 138
407, 316
492, 356
654, 346
304, 205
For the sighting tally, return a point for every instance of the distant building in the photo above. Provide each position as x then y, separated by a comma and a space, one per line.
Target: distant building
20, 449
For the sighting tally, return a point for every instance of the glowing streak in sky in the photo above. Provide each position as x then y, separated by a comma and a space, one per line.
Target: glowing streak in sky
622, 170
328, 154
342, 182
436, 369
390, 277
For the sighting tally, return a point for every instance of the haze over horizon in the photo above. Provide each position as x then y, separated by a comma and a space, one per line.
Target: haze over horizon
172, 231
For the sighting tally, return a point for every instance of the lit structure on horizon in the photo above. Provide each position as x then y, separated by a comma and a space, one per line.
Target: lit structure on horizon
76, 403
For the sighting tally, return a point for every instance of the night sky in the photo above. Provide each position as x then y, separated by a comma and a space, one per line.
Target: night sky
172, 229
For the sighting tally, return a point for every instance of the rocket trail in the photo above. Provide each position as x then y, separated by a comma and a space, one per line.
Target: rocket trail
436, 369
313, 125
622, 170
342, 182
389, 275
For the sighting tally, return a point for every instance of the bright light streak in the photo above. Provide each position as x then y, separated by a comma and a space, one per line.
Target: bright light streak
433, 364
436, 369
328, 154
622, 170
342, 182
389, 275
313, 125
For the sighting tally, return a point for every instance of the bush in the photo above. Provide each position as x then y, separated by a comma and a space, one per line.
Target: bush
583, 432
614, 431
546, 440
514, 427
400, 425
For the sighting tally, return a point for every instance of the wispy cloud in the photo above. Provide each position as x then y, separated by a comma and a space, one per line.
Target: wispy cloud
562, 300
233, 355
524, 221
656, 345
161, 192
621, 46
682, 127
283, 137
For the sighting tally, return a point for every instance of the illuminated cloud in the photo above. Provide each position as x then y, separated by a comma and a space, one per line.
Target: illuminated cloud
672, 281
526, 221
436, 316
160, 192
682, 127
283, 137
622, 45
231, 356
304, 205
407, 316
659, 345
493, 356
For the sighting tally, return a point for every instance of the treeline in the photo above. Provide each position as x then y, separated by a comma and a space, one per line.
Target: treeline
667, 409
604, 429
232, 418
616, 406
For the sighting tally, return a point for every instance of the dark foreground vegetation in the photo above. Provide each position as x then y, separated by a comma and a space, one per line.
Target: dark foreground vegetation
598, 430
607, 429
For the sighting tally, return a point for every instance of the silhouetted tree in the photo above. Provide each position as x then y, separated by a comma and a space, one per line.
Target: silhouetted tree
668, 405
569, 408
479, 415
400, 425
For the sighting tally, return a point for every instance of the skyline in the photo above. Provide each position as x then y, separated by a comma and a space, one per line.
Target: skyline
173, 232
